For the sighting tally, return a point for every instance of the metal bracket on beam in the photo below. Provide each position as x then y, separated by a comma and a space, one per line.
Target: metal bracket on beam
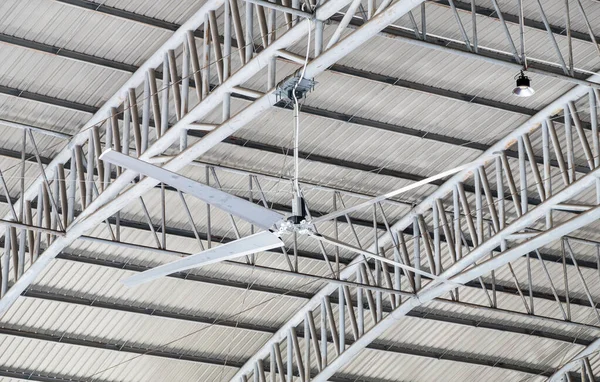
287, 88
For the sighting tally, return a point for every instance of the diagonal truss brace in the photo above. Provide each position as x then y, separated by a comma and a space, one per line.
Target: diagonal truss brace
117, 99
86, 220
113, 199
572, 364
460, 272
321, 298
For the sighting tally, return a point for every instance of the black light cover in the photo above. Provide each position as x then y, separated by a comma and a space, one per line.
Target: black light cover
523, 88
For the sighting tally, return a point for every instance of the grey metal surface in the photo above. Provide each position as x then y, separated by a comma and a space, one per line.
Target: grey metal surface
394, 111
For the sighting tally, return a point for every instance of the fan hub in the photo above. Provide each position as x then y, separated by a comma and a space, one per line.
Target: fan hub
302, 227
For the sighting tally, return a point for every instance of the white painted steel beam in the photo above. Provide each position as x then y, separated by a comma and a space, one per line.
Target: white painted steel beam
66, 154
434, 290
88, 219
104, 206
112, 200
136, 79
282, 8
354, 40
572, 364
428, 294
531, 124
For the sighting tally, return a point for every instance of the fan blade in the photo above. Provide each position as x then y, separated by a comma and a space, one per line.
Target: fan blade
261, 241
361, 251
391, 194
253, 213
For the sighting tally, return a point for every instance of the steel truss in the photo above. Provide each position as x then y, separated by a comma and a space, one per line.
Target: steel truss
415, 35
361, 336
57, 203
416, 30
505, 233
125, 224
97, 195
479, 226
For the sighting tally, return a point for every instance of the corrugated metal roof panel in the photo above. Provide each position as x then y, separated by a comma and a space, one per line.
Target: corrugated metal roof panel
79, 362
130, 42
81, 30
394, 367
135, 330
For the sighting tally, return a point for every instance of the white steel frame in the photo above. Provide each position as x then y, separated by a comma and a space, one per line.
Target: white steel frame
107, 203
115, 195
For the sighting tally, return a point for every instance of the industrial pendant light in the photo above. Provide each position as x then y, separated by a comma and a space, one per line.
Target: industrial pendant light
523, 88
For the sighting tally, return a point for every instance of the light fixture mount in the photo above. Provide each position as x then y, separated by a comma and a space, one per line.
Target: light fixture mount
523, 88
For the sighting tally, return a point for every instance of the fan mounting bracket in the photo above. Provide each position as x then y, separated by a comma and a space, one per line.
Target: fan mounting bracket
294, 85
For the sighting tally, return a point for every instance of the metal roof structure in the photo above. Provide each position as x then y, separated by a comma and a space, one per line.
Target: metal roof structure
403, 90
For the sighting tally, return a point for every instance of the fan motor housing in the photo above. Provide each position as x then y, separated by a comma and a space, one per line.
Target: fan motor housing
298, 210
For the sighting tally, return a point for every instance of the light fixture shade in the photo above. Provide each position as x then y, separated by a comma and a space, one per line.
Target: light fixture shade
523, 88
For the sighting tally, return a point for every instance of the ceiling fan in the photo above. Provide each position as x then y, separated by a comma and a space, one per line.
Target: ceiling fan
273, 223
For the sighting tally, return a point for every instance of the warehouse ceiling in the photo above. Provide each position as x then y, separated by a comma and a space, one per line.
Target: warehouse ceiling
403, 90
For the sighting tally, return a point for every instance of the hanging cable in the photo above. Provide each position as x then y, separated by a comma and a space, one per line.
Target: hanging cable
297, 114
522, 34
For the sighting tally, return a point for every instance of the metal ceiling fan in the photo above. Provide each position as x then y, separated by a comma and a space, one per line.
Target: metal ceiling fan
273, 223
